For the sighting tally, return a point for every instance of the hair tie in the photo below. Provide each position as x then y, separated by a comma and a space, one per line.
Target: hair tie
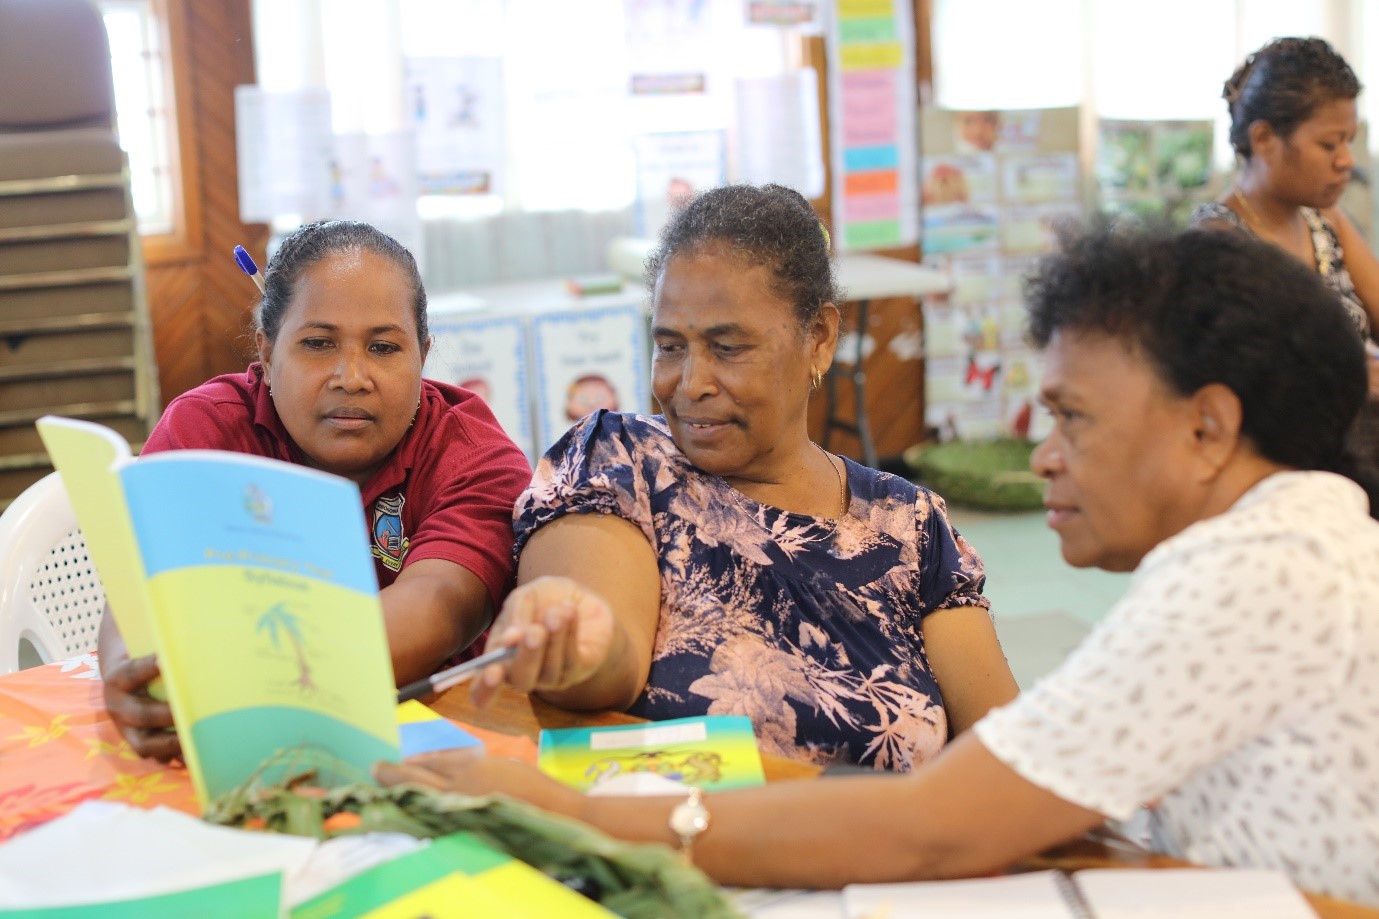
828, 241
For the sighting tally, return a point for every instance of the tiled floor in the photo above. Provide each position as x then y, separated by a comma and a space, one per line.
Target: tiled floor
1042, 605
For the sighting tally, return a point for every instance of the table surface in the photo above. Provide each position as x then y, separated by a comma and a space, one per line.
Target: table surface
521, 715
58, 748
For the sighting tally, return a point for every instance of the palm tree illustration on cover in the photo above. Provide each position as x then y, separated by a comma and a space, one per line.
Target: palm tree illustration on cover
279, 619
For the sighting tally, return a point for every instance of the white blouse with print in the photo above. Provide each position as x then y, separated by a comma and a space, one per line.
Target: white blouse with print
1237, 682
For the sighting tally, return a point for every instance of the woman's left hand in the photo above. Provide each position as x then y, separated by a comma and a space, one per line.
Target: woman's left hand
472, 773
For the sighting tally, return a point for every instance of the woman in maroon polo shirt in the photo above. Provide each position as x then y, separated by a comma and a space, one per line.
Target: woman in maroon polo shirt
341, 335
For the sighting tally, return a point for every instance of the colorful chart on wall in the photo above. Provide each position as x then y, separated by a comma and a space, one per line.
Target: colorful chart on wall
872, 125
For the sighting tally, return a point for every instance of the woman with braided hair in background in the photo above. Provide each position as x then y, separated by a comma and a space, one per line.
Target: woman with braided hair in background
1293, 124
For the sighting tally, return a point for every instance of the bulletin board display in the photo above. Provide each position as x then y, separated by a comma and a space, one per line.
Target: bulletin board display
1157, 169
995, 187
585, 360
489, 357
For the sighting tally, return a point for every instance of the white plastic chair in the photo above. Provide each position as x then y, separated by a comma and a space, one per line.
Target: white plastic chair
50, 594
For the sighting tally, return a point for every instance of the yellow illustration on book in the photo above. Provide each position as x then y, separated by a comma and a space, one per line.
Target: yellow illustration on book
716, 752
695, 767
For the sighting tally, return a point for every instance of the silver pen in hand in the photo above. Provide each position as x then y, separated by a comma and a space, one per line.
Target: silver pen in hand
453, 676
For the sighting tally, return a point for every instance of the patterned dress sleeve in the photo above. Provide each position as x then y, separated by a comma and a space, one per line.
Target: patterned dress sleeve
1215, 212
597, 467
950, 571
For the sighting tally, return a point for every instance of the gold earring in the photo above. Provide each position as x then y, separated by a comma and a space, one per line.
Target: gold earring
816, 378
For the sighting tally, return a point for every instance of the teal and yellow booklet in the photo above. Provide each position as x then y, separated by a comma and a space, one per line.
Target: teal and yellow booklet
252, 581
713, 752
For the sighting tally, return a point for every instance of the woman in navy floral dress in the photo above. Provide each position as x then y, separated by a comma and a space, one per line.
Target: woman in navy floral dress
714, 560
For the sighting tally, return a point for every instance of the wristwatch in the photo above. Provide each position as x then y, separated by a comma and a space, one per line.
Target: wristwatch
689, 819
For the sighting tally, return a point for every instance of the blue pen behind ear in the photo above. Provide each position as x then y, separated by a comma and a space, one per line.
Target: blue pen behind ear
246, 264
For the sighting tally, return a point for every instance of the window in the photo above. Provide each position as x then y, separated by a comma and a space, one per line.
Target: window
1164, 60
568, 119
141, 66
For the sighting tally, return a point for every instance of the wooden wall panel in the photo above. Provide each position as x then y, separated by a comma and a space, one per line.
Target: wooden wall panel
894, 387
199, 300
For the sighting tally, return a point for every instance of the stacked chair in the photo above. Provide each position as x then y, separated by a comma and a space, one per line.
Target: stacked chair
75, 338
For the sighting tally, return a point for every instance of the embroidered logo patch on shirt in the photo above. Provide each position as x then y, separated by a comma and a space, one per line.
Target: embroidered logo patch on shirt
389, 542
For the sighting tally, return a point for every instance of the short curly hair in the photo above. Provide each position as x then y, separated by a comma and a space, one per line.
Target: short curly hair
1208, 306
309, 244
769, 225
1282, 84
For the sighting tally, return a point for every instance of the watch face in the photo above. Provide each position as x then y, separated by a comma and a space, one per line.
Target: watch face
689, 820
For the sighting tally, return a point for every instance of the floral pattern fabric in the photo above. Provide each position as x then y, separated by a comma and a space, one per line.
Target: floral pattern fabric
812, 631
1326, 247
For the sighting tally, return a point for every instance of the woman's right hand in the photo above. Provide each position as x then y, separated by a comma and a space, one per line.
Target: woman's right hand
143, 721
563, 632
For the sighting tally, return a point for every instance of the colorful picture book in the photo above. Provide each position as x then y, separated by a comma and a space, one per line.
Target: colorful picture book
714, 752
423, 731
252, 581
455, 876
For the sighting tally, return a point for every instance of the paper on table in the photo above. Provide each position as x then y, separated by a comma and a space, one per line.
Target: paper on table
336, 860
1038, 895
1191, 893
127, 853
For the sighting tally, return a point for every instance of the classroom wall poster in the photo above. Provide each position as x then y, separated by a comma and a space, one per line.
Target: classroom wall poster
1154, 168
671, 169
670, 46
455, 106
585, 360
778, 137
373, 177
489, 357
996, 186
799, 14
283, 146
871, 116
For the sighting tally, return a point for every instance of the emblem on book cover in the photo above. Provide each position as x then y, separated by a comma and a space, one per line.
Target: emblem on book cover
389, 542
258, 504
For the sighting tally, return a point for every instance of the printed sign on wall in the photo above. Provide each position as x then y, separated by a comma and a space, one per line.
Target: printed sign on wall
586, 360
488, 356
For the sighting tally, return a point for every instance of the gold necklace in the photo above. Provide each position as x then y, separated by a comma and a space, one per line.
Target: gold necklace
842, 490
1251, 216
1322, 260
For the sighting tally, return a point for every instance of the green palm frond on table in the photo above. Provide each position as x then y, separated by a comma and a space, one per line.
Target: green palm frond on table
633, 880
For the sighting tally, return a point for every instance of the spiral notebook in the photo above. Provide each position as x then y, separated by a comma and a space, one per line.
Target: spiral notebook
1184, 893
